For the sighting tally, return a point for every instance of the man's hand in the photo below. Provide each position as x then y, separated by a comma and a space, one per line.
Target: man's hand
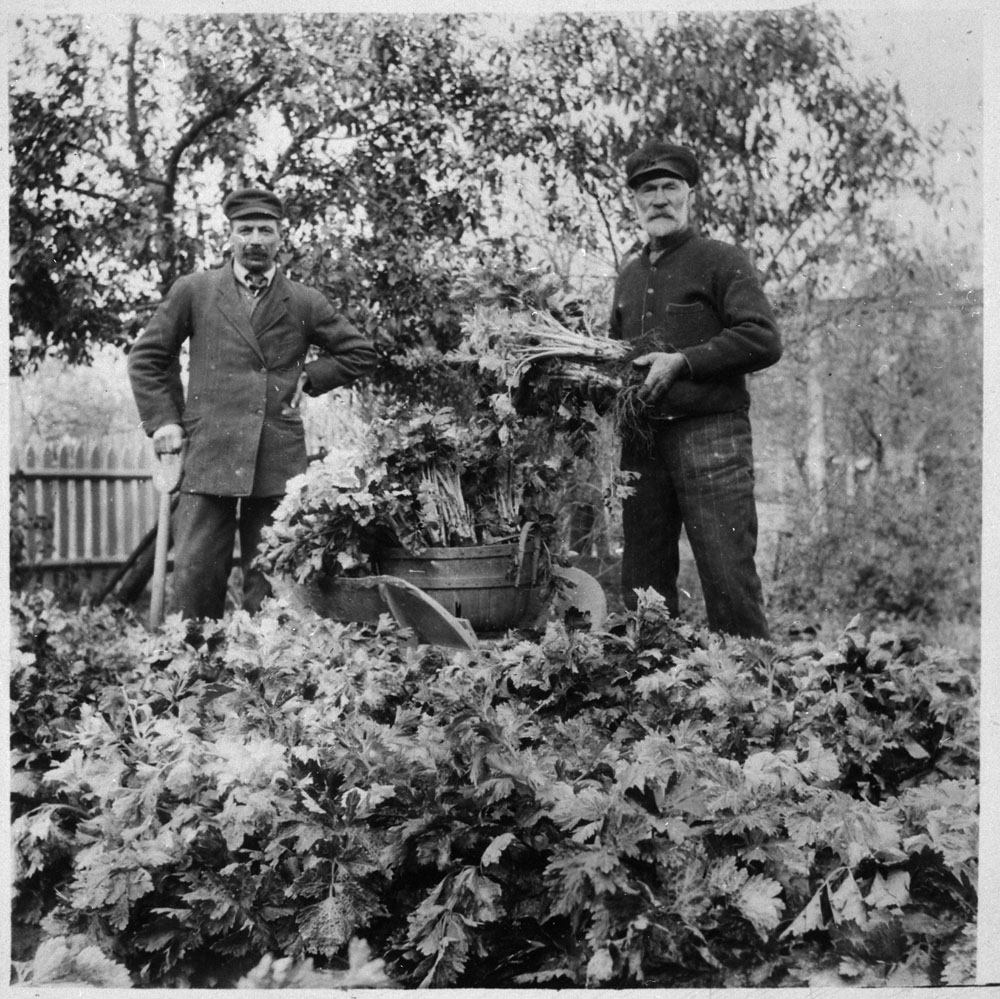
168, 439
664, 370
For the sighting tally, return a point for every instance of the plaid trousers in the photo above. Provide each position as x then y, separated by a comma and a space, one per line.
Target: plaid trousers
697, 473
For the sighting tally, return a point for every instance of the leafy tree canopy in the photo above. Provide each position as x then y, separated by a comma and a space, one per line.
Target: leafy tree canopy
404, 146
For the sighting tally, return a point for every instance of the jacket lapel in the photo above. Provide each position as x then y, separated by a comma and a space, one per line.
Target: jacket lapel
234, 309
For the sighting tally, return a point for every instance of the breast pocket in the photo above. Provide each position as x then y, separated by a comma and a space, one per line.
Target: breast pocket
690, 323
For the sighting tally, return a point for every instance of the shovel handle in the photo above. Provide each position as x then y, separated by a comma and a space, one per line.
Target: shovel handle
166, 479
297, 394
159, 584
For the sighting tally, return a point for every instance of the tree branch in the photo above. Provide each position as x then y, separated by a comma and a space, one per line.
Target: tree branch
88, 193
868, 426
607, 227
766, 271
297, 142
132, 100
828, 187
202, 124
115, 165
751, 199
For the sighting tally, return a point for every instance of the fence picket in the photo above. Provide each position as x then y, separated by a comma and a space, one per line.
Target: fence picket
64, 506
50, 506
87, 548
32, 505
114, 501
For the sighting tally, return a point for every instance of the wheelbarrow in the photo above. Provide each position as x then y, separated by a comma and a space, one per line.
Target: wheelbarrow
453, 596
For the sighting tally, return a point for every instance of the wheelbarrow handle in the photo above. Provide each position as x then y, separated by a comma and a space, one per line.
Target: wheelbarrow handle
529, 578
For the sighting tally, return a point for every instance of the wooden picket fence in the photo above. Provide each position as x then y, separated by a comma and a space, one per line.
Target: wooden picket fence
82, 506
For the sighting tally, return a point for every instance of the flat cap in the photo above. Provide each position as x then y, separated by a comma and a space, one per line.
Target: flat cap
253, 203
657, 158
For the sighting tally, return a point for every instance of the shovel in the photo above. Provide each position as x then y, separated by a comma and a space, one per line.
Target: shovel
293, 404
166, 478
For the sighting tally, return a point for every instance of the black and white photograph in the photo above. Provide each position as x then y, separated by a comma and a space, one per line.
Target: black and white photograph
498, 497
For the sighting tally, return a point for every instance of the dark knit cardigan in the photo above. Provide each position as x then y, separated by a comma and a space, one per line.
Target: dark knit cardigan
701, 297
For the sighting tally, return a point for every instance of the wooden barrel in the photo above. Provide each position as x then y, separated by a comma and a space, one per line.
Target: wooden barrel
490, 586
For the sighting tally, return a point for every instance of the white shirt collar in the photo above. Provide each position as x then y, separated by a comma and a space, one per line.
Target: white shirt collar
241, 273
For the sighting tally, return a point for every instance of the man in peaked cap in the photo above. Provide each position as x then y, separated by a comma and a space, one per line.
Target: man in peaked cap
248, 329
701, 323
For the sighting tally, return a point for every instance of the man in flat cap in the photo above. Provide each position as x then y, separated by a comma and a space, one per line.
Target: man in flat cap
248, 329
697, 311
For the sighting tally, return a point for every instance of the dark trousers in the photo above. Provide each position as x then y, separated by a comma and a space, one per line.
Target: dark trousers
697, 472
204, 532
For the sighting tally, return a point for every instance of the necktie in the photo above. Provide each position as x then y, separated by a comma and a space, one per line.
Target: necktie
257, 283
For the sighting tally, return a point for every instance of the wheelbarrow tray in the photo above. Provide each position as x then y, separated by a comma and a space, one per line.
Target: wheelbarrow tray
368, 597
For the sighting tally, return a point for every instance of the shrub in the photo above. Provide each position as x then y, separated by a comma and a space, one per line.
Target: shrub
22, 526
894, 554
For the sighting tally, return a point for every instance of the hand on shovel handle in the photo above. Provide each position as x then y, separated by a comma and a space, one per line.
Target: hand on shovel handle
169, 439
167, 471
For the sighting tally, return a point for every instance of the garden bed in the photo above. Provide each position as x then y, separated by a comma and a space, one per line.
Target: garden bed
645, 805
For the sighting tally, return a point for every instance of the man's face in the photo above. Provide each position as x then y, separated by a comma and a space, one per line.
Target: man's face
255, 243
663, 204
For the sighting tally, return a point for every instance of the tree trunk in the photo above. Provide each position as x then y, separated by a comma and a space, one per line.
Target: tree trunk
816, 431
